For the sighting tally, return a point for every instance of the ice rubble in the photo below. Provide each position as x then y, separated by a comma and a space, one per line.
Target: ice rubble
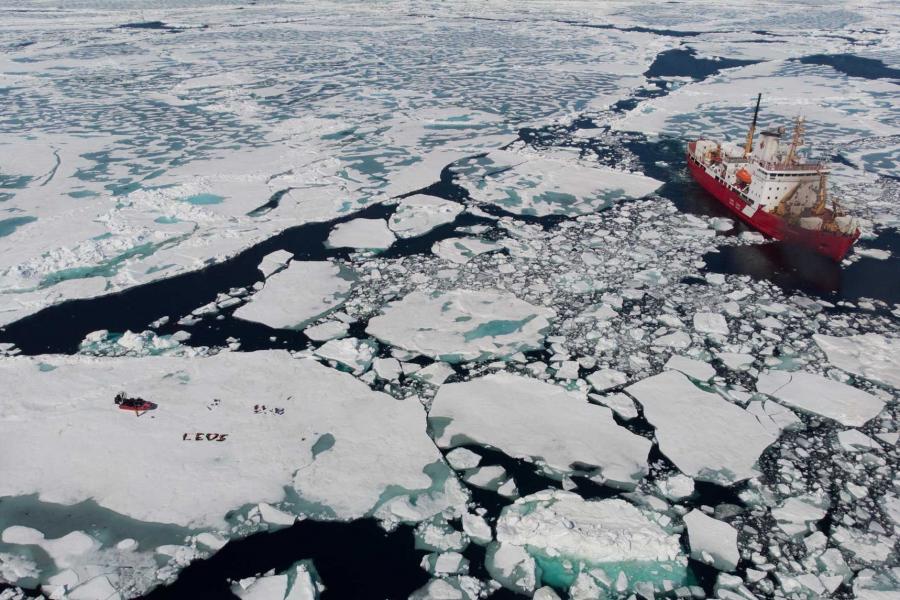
868, 355
418, 214
821, 396
462, 325
217, 417
304, 291
556, 536
535, 185
706, 437
299, 582
500, 411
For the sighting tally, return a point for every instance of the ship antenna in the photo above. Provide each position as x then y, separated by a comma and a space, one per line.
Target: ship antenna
748, 146
796, 141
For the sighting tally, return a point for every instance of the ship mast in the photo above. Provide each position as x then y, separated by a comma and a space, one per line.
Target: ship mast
796, 141
748, 145
822, 195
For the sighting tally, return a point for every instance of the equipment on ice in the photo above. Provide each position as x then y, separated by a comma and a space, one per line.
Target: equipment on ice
138, 405
770, 188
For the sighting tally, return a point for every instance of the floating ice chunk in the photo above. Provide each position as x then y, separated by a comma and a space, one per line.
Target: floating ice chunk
273, 516
64, 551
216, 442
274, 261
417, 215
461, 325
476, 528
545, 593
352, 353
463, 458
435, 374
524, 184
329, 330
869, 355
735, 360
512, 566
364, 234
387, 368
445, 563
853, 440
456, 587
620, 404
605, 379
707, 322
304, 291
500, 410
796, 514
677, 339
299, 582
489, 477
695, 369
567, 535
677, 487
712, 541
825, 397
706, 437
463, 249
866, 546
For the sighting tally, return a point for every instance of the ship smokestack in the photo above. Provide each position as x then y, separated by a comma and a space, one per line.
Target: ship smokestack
748, 145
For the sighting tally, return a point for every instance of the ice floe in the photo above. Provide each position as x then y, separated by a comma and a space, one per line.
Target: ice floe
500, 411
418, 214
462, 325
364, 234
868, 355
291, 298
705, 436
555, 536
818, 395
712, 542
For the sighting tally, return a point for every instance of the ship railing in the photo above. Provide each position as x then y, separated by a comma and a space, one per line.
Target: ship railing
781, 167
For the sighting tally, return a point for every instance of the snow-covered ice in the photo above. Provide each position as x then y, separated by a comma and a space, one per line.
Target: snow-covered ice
818, 395
705, 436
291, 298
500, 411
365, 234
868, 355
462, 325
418, 214
713, 542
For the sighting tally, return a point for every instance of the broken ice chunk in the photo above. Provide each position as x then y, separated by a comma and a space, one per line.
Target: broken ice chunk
870, 355
708, 322
463, 249
796, 514
512, 567
706, 437
304, 291
462, 458
329, 330
352, 353
418, 214
362, 234
500, 410
274, 261
712, 541
567, 535
821, 396
605, 379
461, 325
620, 404
695, 369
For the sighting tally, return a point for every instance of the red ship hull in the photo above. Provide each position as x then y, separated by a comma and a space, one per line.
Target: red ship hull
833, 245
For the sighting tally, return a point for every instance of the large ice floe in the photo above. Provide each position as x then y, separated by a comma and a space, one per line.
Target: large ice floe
500, 411
304, 291
230, 430
869, 355
560, 539
706, 436
460, 325
534, 185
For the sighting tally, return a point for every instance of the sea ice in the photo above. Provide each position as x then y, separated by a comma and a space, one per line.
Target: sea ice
461, 250
705, 436
417, 215
695, 369
274, 261
712, 541
304, 291
231, 430
707, 322
868, 355
532, 185
821, 396
500, 411
567, 535
364, 234
462, 325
